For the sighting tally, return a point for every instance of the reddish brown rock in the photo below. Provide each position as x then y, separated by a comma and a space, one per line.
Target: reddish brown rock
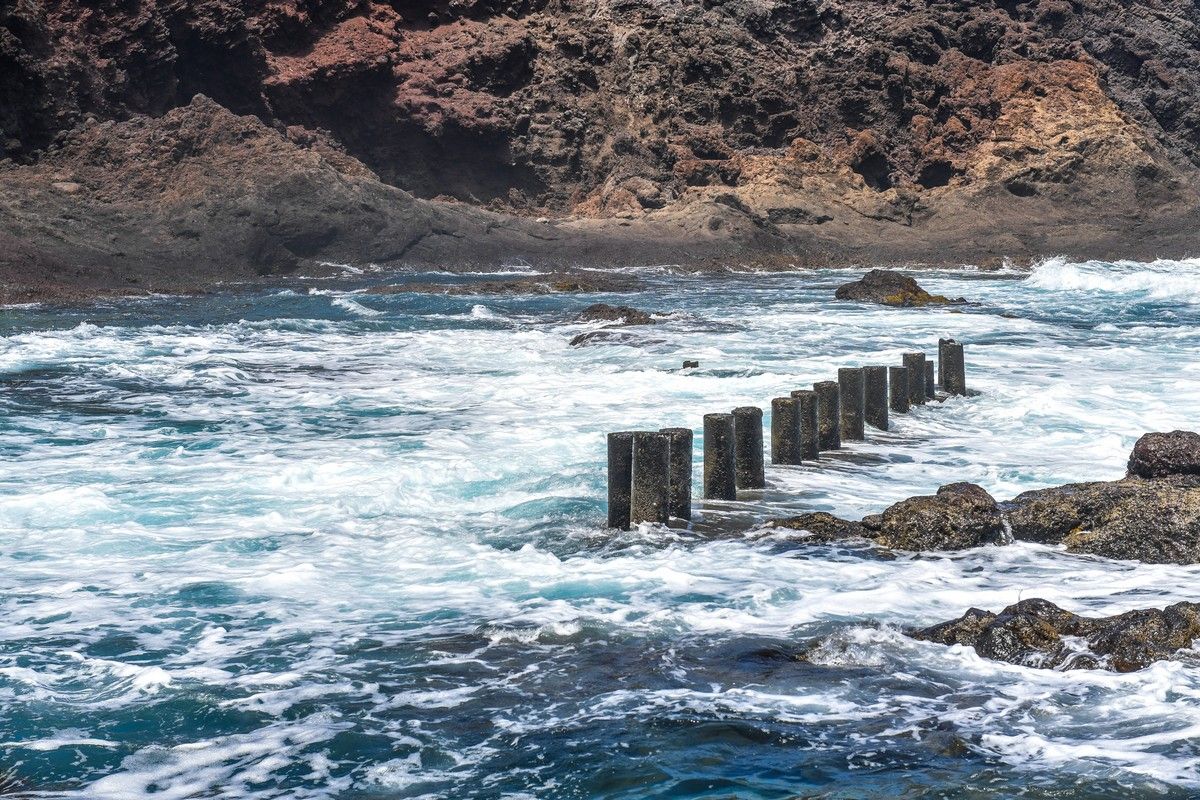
1157, 455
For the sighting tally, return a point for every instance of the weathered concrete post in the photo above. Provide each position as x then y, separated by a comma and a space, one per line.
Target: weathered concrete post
930, 384
680, 504
620, 478
719, 461
898, 386
952, 364
810, 426
828, 415
915, 364
853, 401
875, 397
650, 496
748, 447
785, 431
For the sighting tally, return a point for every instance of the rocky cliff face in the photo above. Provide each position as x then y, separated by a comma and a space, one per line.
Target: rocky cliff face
809, 118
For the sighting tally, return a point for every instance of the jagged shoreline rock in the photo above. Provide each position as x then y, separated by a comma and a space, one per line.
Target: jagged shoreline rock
769, 134
1152, 520
1037, 633
890, 288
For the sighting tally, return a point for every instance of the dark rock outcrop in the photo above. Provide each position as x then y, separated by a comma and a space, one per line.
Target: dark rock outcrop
890, 288
624, 315
1035, 633
959, 516
1153, 521
1157, 455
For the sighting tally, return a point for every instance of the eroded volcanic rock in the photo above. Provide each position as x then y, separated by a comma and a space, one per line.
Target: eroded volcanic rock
1157, 455
624, 315
759, 132
959, 516
1035, 633
549, 283
890, 288
1153, 521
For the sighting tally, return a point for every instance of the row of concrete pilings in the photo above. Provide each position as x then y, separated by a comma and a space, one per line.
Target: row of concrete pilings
650, 472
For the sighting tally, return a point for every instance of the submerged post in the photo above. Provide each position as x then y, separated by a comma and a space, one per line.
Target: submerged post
828, 415
649, 498
930, 385
952, 364
852, 391
679, 504
785, 431
875, 397
748, 447
898, 387
915, 364
620, 478
719, 461
810, 426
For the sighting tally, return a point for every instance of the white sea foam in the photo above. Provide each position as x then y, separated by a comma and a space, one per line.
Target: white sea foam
276, 515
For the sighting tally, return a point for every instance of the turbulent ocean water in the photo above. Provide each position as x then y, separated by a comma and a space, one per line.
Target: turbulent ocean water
308, 543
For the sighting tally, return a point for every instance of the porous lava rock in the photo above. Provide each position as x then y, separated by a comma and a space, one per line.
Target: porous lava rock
890, 288
959, 516
1037, 633
1152, 521
1157, 455
623, 315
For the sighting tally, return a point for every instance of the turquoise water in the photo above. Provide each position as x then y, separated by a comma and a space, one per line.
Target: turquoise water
308, 543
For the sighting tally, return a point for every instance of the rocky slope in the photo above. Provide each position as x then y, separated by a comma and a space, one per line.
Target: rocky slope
788, 130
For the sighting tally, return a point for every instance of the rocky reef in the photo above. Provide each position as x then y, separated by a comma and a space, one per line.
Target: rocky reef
1037, 633
1149, 519
746, 132
890, 288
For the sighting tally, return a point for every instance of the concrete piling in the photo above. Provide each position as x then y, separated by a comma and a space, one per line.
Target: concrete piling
930, 384
650, 494
810, 427
915, 364
875, 397
898, 389
785, 431
720, 466
748, 448
853, 401
620, 478
679, 504
952, 364
828, 415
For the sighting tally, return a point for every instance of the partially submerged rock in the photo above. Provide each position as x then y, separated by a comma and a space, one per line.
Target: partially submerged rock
1153, 521
1037, 633
959, 516
891, 288
1157, 455
623, 315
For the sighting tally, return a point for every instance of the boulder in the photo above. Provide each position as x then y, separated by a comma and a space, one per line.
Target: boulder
891, 288
1153, 521
1157, 455
624, 315
1037, 633
959, 516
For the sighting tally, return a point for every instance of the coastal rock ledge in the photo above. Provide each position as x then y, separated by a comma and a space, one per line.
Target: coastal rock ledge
1037, 633
1152, 515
